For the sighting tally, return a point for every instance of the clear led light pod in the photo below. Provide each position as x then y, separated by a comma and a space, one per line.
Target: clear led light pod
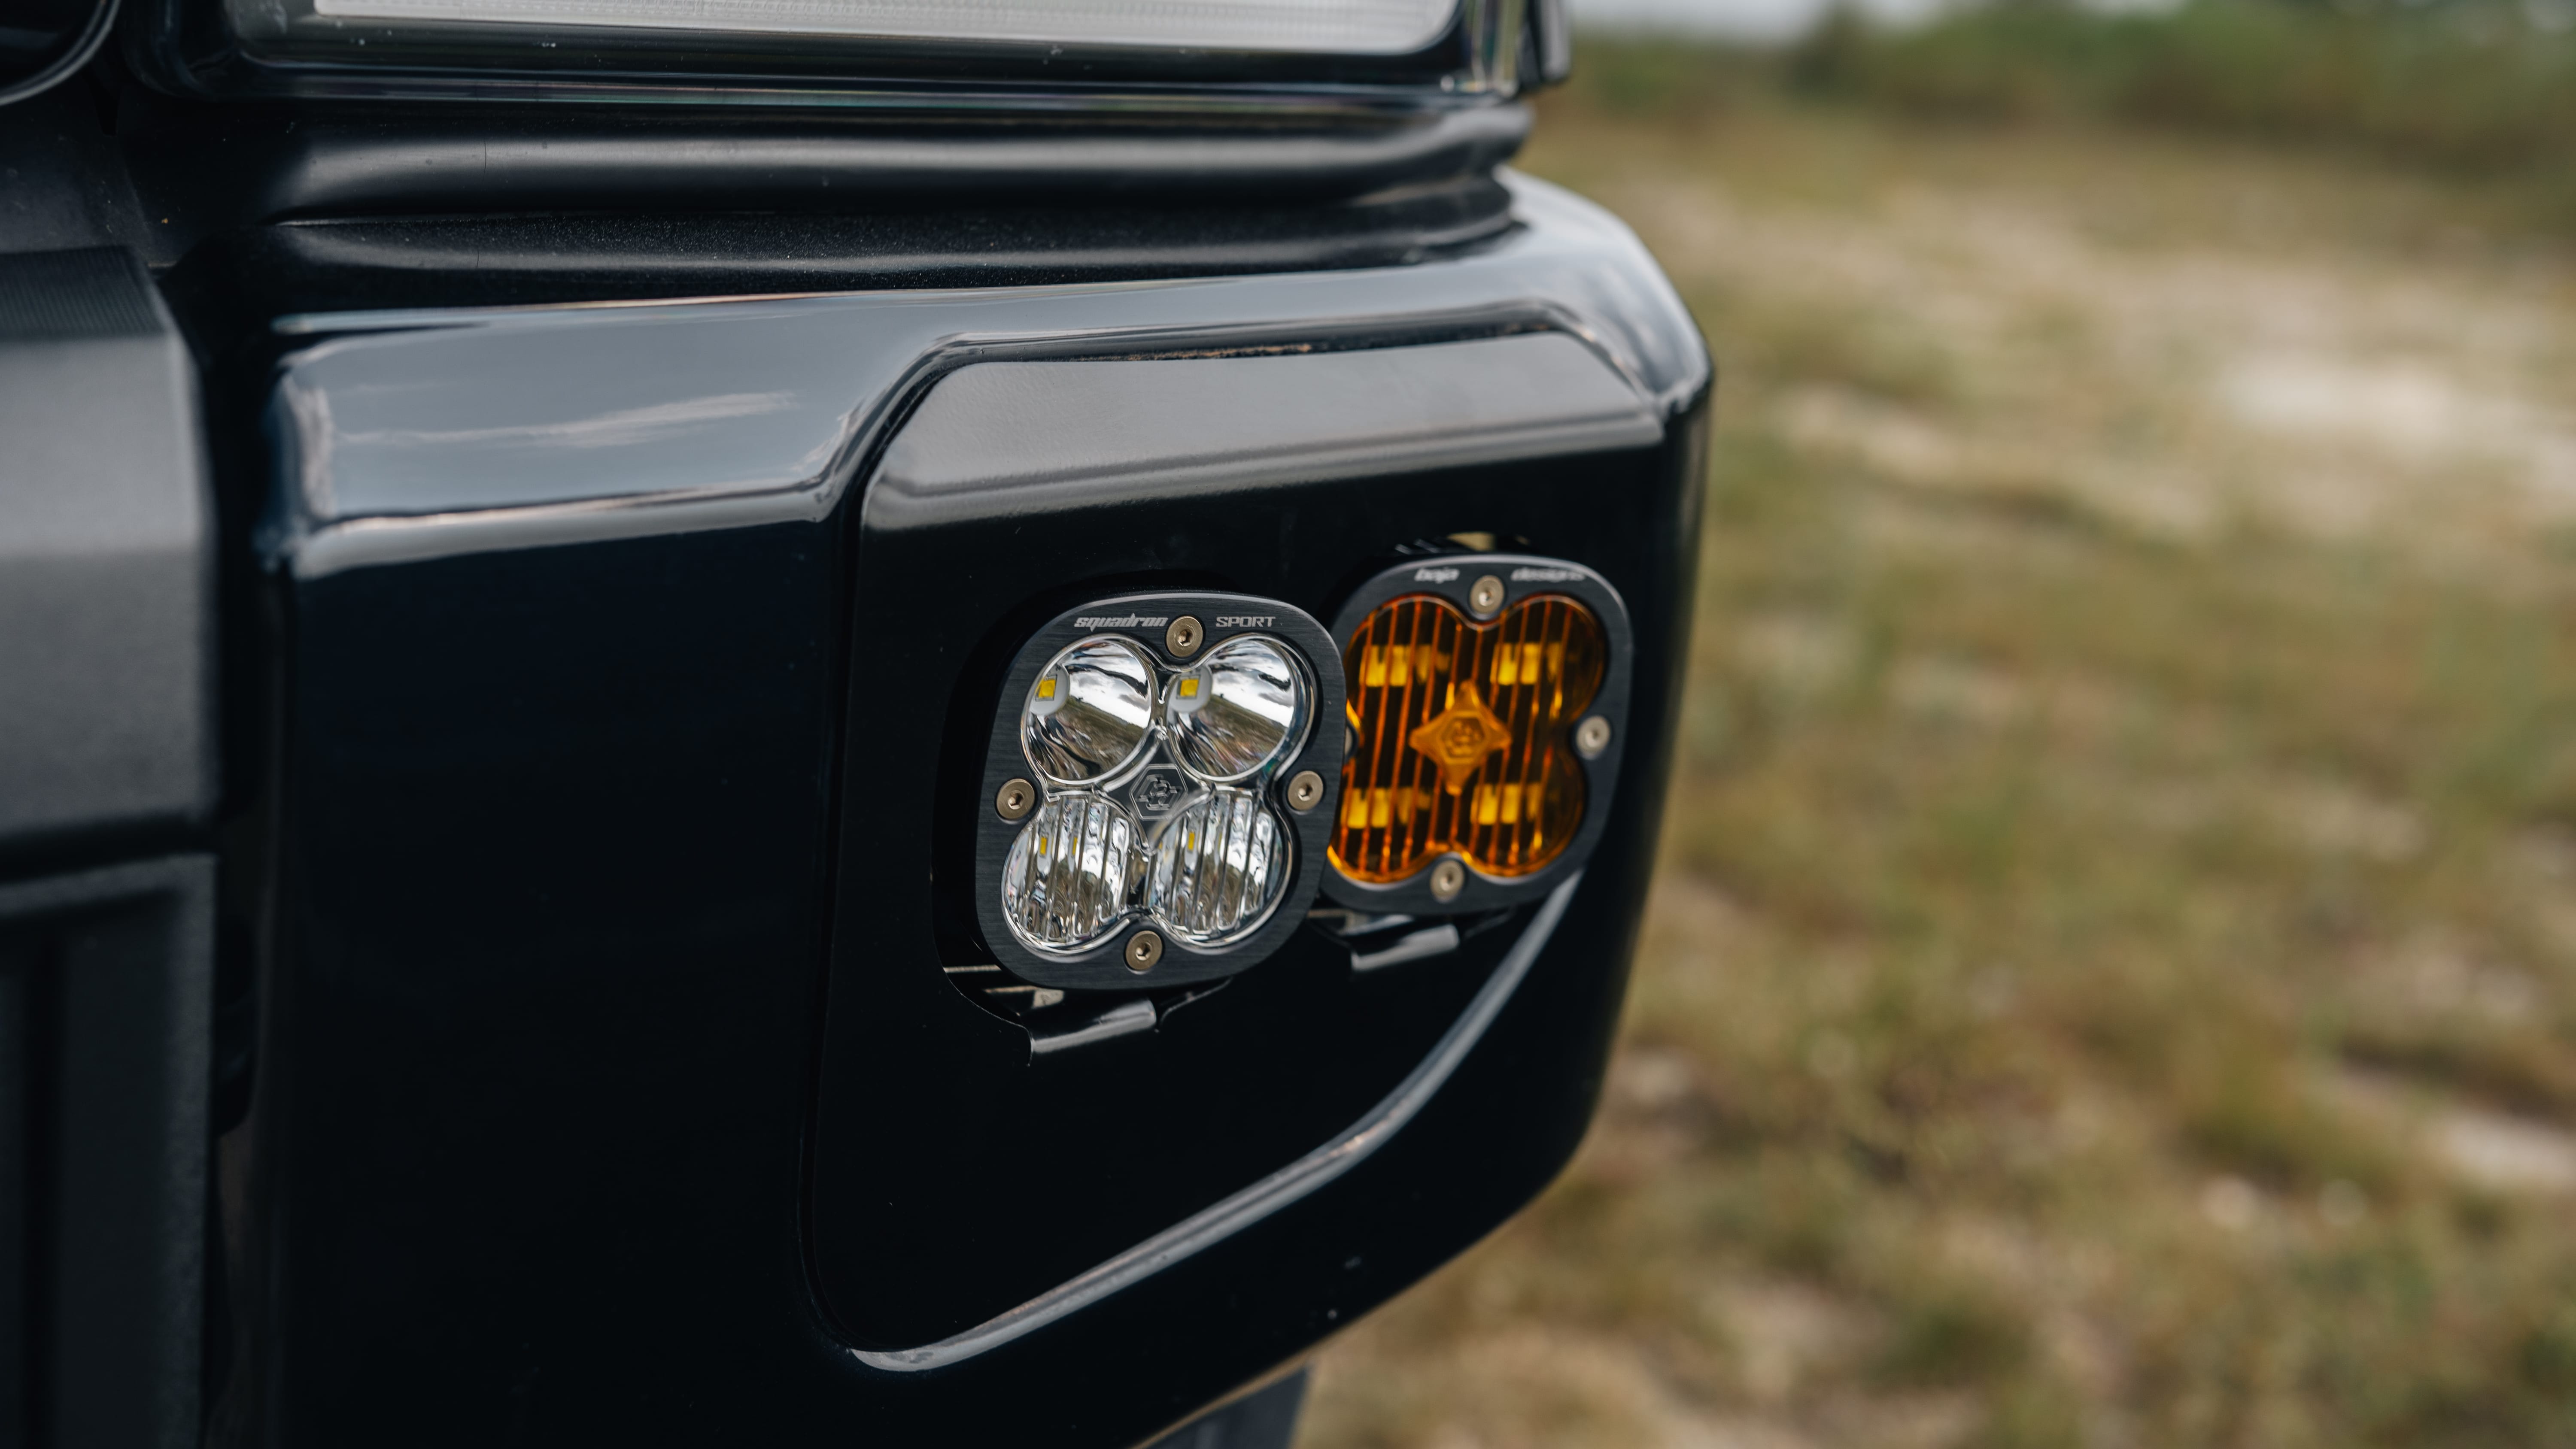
1156, 799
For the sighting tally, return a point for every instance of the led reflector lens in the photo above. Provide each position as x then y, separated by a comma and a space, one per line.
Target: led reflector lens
1243, 707
1220, 866
1068, 881
1090, 714
1463, 736
1335, 27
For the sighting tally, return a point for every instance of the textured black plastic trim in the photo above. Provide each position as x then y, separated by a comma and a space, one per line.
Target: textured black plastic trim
124, 966
92, 292
106, 611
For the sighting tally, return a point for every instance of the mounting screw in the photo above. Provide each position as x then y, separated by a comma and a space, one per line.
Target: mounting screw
1015, 799
1143, 950
1486, 597
1184, 637
1305, 791
1592, 737
1447, 879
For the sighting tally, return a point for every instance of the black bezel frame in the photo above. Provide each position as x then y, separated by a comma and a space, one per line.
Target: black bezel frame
1223, 616
1451, 577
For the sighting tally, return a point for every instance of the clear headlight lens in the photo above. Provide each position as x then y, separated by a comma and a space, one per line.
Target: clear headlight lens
1220, 867
1243, 707
1090, 714
1343, 27
1067, 883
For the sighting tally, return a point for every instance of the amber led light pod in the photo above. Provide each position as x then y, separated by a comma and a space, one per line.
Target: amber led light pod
1483, 731
1464, 736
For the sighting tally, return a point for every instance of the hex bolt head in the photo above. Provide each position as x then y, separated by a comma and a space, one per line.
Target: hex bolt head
1447, 879
1143, 950
1305, 791
1592, 737
1184, 637
1015, 799
1485, 599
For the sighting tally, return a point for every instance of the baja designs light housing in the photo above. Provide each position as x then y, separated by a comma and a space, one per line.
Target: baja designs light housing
1486, 710
1156, 796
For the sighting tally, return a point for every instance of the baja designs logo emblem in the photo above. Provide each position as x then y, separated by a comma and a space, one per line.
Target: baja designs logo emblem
1157, 792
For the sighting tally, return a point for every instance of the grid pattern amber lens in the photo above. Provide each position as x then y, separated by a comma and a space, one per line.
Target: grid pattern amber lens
1462, 736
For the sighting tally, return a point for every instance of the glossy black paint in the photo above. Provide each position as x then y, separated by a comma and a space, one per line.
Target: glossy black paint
382, 261
538, 858
550, 892
1008, 1176
526, 1161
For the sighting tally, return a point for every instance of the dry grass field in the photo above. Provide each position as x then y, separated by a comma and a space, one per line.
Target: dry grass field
2112, 978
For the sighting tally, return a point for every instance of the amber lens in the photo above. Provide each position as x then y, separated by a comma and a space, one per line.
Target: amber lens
1462, 736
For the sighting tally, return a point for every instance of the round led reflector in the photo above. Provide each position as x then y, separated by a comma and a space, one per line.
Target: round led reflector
1090, 712
1243, 707
1221, 863
1463, 736
1067, 881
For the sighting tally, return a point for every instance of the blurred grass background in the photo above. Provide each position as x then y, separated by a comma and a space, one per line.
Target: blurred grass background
2112, 978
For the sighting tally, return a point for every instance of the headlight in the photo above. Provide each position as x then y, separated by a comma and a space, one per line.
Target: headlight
1114, 55
1155, 802
1324, 27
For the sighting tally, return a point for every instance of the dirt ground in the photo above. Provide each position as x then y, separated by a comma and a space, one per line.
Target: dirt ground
2112, 980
